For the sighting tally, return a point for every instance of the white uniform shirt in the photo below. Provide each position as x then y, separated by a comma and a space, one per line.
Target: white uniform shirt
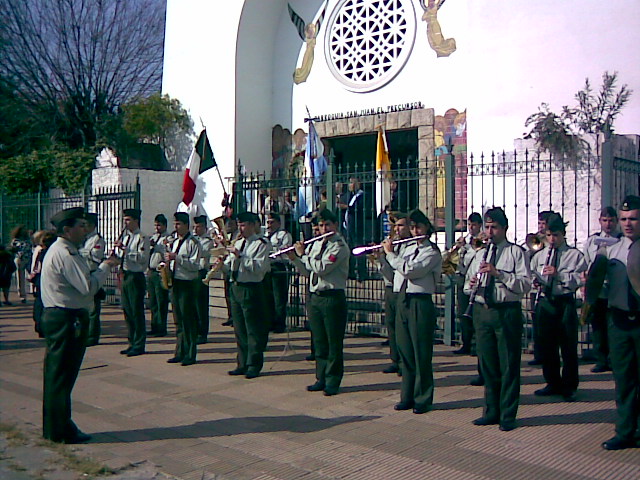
253, 263
280, 239
136, 255
326, 264
616, 274
570, 264
206, 244
419, 264
187, 262
93, 250
159, 241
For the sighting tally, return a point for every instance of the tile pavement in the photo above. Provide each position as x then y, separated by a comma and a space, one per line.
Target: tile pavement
199, 423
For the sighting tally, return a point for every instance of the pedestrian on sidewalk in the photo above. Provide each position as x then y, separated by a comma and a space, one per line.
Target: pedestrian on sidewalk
67, 292
7, 269
43, 239
21, 247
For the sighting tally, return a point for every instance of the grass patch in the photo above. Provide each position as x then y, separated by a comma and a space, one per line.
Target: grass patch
14, 436
71, 461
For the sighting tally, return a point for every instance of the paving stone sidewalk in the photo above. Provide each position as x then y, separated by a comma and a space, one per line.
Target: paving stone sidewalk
198, 423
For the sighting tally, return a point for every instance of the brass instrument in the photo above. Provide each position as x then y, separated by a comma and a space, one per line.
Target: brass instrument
535, 241
222, 232
306, 242
166, 279
548, 261
369, 248
481, 282
451, 257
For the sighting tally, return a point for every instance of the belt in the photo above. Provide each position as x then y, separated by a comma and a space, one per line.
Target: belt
501, 306
246, 284
129, 272
418, 295
329, 293
568, 297
626, 315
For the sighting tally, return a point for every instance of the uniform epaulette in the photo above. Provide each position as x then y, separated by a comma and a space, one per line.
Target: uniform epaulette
524, 250
262, 239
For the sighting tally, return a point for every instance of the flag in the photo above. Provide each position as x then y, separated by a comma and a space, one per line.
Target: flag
200, 161
306, 191
383, 167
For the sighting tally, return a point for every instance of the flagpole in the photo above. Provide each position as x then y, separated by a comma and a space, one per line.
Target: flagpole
224, 190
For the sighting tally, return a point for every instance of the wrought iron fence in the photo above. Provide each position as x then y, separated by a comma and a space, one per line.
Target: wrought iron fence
522, 183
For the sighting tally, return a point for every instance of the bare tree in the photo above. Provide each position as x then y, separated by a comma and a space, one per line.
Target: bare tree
73, 62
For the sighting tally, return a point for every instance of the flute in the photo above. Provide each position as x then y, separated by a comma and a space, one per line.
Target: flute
369, 248
306, 242
113, 251
548, 261
480, 283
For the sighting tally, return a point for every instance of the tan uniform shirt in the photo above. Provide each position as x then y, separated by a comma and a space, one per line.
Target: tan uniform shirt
419, 264
206, 244
187, 262
569, 263
253, 263
326, 264
136, 255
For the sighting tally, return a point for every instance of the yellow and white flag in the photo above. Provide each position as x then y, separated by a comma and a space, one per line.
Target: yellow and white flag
383, 172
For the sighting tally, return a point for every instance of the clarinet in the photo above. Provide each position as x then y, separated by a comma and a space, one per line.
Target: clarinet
480, 283
548, 261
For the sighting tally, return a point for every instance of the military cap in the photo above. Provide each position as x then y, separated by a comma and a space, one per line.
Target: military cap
92, 218
475, 218
555, 223
181, 217
132, 212
247, 217
609, 212
200, 219
630, 202
67, 214
497, 215
160, 218
399, 215
327, 215
275, 217
545, 215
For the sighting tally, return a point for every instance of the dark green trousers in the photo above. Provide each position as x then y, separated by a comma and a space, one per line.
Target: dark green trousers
499, 345
466, 323
599, 326
183, 299
277, 295
93, 333
202, 306
328, 322
624, 348
65, 333
158, 303
133, 290
415, 324
390, 311
250, 324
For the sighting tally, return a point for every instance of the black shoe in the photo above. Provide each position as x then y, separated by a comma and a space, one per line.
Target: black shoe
462, 351
24, 300
534, 362
228, 323
477, 382
484, 421
403, 406
310, 358
385, 343
391, 369
186, 363
135, 353
201, 340
252, 374
279, 330
601, 369
92, 343
79, 437
547, 391
617, 443
508, 425
125, 351
8, 303
237, 371
421, 410
569, 396
316, 387
330, 391
174, 360
151, 333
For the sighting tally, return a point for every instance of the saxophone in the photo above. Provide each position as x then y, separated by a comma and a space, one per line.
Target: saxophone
166, 279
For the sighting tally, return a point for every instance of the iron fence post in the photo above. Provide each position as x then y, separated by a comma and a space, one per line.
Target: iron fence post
606, 167
330, 185
449, 228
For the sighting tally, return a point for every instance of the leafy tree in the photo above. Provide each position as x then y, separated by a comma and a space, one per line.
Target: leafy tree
553, 133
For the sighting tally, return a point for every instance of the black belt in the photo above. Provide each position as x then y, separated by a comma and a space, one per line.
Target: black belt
69, 310
501, 306
418, 295
569, 297
128, 272
246, 284
329, 293
632, 317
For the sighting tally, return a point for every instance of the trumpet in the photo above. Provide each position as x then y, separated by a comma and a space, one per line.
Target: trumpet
218, 223
481, 282
306, 242
534, 241
369, 248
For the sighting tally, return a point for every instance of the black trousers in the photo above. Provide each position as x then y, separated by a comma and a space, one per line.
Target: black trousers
93, 333
328, 321
558, 327
277, 295
158, 303
183, 293
599, 328
390, 312
466, 323
250, 324
499, 344
133, 290
65, 333
202, 306
624, 346
415, 324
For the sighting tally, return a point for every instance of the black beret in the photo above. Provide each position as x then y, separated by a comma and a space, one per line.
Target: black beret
555, 223
630, 202
497, 215
475, 218
608, 212
160, 218
132, 212
67, 214
327, 215
275, 217
181, 217
399, 215
248, 217
417, 216
544, 215
200, 219
91, 218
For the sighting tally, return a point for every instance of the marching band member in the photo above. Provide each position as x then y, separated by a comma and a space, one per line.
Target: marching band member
497, 319
624, 325
609, 229
93, 251
246, 265
277, 280
135, 260
202, 303
231, 229
392, 289
417, 268
158, 295
558, 270
327, 266
184, 262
